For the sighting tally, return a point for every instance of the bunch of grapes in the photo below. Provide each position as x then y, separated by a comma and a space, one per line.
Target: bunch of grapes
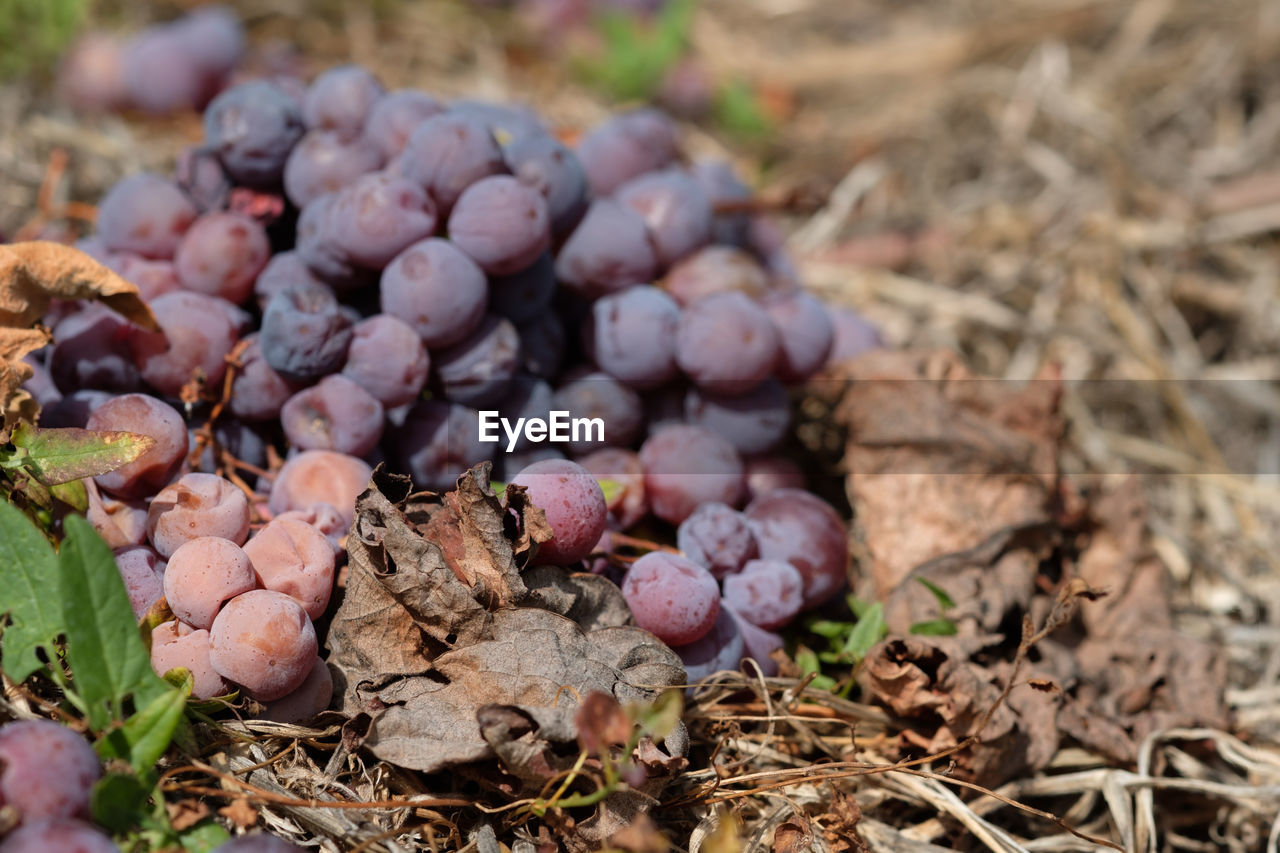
379, 268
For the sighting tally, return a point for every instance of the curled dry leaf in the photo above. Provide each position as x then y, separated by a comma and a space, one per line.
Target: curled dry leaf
440, 641
31, 274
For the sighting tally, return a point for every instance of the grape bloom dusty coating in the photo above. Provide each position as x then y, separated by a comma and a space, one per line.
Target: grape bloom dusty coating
46, 770
202, 575
672, 597
574, 505
263, 641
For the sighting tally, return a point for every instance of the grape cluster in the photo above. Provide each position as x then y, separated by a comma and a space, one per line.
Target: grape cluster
382, 270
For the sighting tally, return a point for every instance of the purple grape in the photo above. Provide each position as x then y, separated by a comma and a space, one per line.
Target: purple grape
394, 117
198, 334
523, 295
607, 251
91, 75
853, 334
574, 507
715, 269
507, 122
754, 422
316, 248
200, 175
214, 39
671, 597
388, 360
766, 473
805, 335
284, 270
90, 351
324, 162
724, 188
258, 391
334, 414
159, 76
758, 644
632, 335
720, 649
800, 528
628, 504
221, 255
718, 537
600, 396
258, 843
448, 153
144, 214
253, 127
501, 224
377, 217
549, 166
152, 278
142, 571
437, 290
46, 770
305, 703
437, 442
305, 334
340, 100
62, 835
726, 343
687, 89
686, 466
626, 146
542, 345
675, 209
767, 593
477, 370
73, 410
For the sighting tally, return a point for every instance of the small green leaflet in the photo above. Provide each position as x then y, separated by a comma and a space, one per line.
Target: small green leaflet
869, 631
934, 628
56, 456
944, 600
29, 594
611, 489
145, 736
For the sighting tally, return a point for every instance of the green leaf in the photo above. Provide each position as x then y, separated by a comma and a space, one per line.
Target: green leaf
119, 801
108, 660
807, 660
869, 631
57, 456
28, 593
611, 489
659, 719
146, 735
204, 837
738, 110
830, 629
499, 487
942, 627
944, 600
857, 605
73, 494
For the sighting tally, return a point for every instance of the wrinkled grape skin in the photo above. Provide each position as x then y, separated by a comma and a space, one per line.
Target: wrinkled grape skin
718, 537
152, 278
221, 255
629, 504
202, 575
722, 185
312, 697
90, 351
624, 146
200, 175
334, 414
632, 336
477, 370
671, 597
292, 557
258, 391
142, 571
156, 467
158, 75
394, 117
685, 466
378, 216
60, 835
800, 528
305, 334
767, 593
315, 245
437, 442
507, 122
144, 214
176, 645
754, 422
767, 473
198, 334
435, 288
324, 162
759, 644
46, 770
197, 505
805, 335
715, 269
501, 224
720, 649
340, 100
323, 517
388, 360
448, 153
284, 270
253, 127
523, 295
599, 395
546, 164
726, 343
607, 251
258, 843
674, 208
574, 506
264, 642
119, 522
320, 476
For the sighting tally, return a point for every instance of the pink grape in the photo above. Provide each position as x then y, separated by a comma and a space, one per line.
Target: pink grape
800, 528
766, 473
142, 571
221, 255
139, 413
292, 557
573, 503
718, 650
685, 466
671, 597
263, 641
308, 700
60, 835
176, 645
197, 505
119, 522
46, 770
320, 476
758, 643
334, 414
203, 574
628, 504
767, 593
717, 536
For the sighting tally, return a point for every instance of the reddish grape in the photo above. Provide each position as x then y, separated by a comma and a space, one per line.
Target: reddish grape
387, 359
759, 644
726, 343
766, 473
477, 370
767, 593
675, 209
142, 571
720, 649
448, 153
197, 505
437, 442
574, 506
159, 76
600, 396
46, 770
221, 255
546, 164
253, 127
292, 557
627, 504
200, 174
671, 597
61, 835
323, 517
805, 334
198, 333
202, 575
91, 76
177, 645
258, 392
263, 641
507, 122
320, 476
800, 528
324, 162
437, 290
754, 422
717, 536
152, 278
685, 466
308, 700
148, 416
335, 414
284, 270
119, 522
625, 146
632, 335
144, 214
715, 269
726, 190
501, 223
89, 351
395, 115
607, 251
340, 100
378, 216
